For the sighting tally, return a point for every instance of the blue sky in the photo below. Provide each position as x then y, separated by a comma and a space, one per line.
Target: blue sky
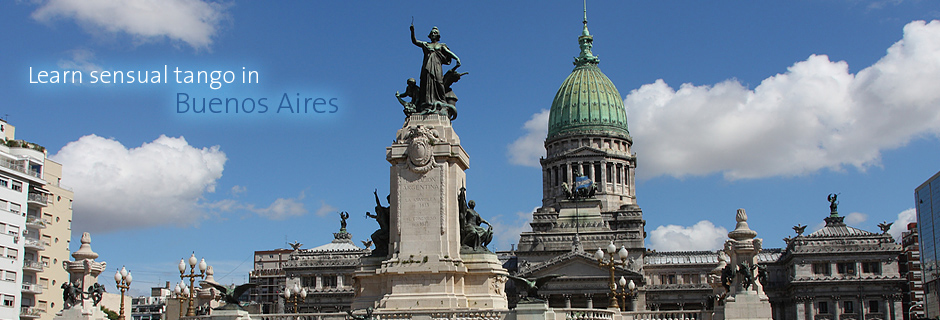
767, 106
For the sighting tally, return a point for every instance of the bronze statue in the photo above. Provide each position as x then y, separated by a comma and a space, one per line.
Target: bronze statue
410, 91
432, 93
833, 203
472, 235
381, 237
885, 226
799, 228
727, 277
71, 295
747, 275
343, 216
367, 316
96, 292
532, 286
230, 295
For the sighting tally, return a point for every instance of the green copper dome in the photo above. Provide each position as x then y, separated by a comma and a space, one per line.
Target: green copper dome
587, 102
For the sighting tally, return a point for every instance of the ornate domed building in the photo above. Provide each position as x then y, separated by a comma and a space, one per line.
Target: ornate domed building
588, 193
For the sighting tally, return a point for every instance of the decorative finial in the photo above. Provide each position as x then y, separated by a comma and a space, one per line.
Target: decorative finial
586, 42
585, 12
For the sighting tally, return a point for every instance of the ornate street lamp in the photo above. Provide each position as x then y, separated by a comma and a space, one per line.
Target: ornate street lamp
191, 311
610, 264
182, 293
123, 279
627, 290
295, 295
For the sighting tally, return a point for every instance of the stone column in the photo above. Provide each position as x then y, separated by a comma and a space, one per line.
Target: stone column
837, 312
590, 300
339, 281
319, 284
567, 300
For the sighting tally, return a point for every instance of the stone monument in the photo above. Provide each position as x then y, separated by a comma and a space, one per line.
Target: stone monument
744, 296
422, 267
83, 273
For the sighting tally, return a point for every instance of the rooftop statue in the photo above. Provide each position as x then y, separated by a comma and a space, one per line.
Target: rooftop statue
343, 216
432, 93
833, 204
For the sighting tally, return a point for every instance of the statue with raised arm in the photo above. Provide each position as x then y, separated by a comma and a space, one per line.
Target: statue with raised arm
380, 237
433, 84
342, 223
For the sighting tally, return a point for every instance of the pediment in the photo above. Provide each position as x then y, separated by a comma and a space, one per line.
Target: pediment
579, 264
585, 151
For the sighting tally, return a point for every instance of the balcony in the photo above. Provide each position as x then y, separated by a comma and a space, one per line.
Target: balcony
31, 312
33, 288
35, 222
36, 198
32, 266
34, 244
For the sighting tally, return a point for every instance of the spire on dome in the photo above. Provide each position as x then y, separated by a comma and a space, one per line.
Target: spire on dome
587, 42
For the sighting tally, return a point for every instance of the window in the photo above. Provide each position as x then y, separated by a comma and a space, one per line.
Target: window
10, 276
4, 183
848, 307
610, 172
8, 300
821, 268
871, 267
873, 306
15, 208
12, 253
17, 186
667, 278
329, 281
822, 307
846, 267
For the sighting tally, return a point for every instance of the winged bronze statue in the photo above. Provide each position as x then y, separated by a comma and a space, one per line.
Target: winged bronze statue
230, 295
885, 226
799, 228
531, 286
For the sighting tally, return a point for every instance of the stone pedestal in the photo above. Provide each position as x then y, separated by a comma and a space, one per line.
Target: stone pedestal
230, 315
534, 311
424, 269
80, 313
485, 282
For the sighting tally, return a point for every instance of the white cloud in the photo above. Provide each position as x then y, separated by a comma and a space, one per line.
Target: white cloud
816, 115
704, 235
506, 230
194, 22
237, 190
900, 225
81, 60
158, 183
855, 218
529, 148
283, 208
325, 209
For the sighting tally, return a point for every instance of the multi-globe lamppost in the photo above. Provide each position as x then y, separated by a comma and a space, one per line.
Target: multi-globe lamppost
295, 295
627, 290
182, 293
123, 279
611, 263
191, 311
